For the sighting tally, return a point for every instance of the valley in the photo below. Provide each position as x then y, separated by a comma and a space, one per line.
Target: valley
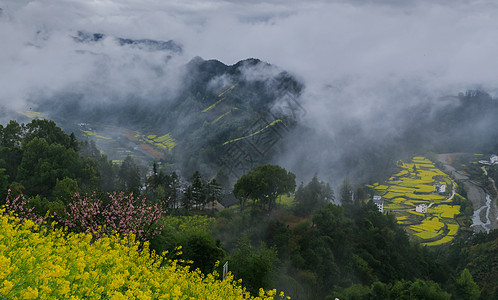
485, 215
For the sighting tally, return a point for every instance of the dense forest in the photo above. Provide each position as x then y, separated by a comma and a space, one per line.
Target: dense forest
304, 239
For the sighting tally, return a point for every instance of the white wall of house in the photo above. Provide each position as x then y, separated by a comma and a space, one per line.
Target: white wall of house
421, 208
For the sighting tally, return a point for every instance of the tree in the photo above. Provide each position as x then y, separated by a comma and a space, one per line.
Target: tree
118, 213
213, 191
223, 180
65, 189
202, 249
264, 184
173, 189
129, 176
48, 130
187, 198
346, 192
466, 287
156, 183
255, 266
43, 163
314, 195
198, 192
4, 185
360, 196
10, 148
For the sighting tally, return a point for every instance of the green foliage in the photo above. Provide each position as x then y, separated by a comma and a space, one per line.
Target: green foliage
193, 235
4, 184
105, 173
466, 287
254, 265
408, 290
346, 192
43, 163
161, 186
356, 244
314, 195
65, 189
39, 155
129, 176
50, 132
213, 192
264, 184
202, 249
477, 258
278, 235
10, 148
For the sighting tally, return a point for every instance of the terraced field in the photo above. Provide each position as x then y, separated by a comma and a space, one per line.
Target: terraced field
31, 114
166, 141
118, 143
414, 186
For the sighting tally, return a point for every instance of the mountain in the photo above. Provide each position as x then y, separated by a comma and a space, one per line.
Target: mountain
143, 44
142, 98
221, 116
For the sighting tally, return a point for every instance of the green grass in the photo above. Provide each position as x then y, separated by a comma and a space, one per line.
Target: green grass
286, 201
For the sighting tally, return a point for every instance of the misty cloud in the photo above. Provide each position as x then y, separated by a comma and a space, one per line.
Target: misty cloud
365, 64
375, 47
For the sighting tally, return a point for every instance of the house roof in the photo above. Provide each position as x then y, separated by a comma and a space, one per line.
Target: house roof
377, 199
228, 200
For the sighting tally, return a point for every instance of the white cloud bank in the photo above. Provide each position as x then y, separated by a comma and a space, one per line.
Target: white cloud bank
443, 46
361, 61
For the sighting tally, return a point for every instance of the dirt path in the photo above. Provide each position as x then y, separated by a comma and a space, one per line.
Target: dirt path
485, 210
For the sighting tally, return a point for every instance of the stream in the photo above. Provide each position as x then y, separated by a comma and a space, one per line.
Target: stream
485, 217
476, 218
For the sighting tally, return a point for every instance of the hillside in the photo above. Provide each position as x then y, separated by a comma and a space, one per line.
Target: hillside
222, 116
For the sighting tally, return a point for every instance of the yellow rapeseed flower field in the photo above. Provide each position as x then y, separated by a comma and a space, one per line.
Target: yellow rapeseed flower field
43, 262
414, 185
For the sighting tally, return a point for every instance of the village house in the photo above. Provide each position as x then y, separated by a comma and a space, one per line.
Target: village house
421, 208
377, 200
440, 188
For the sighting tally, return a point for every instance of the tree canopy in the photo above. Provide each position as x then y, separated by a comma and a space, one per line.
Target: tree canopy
264, 184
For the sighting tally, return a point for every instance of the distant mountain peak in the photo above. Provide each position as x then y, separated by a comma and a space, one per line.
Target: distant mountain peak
145, 44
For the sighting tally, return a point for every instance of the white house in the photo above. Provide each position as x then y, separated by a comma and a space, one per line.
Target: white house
377, 200
421, 208
493, 159
439, 188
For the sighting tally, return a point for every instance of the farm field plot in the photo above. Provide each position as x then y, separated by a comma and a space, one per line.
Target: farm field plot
428, 215
118, 143
165, 141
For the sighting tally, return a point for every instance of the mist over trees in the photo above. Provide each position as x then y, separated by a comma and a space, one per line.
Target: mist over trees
310, 247
159, 123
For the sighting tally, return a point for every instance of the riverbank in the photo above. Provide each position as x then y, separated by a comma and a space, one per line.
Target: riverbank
485, 216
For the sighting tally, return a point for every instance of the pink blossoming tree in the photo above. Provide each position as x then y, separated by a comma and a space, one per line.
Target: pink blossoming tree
122, 214
20, 207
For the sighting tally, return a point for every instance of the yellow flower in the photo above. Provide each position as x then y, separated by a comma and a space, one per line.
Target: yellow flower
30, 293
7, 286
118, 296
78, 266
261, 292
117, 282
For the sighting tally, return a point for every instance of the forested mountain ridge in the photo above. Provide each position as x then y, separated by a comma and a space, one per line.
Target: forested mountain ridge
312, 248
215, 106
227, 120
